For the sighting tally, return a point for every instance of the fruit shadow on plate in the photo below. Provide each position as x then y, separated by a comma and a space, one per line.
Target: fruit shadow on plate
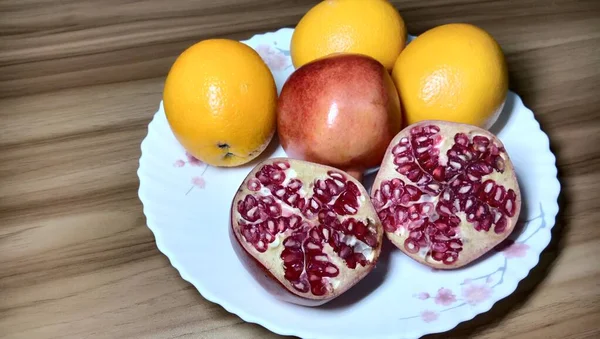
266, 154
376, 277
368, 284
504, 116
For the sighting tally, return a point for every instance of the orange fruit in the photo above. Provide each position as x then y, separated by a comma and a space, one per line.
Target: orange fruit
220, 101
453, 72
372, 27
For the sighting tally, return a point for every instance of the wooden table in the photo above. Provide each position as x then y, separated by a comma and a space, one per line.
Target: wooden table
81, 79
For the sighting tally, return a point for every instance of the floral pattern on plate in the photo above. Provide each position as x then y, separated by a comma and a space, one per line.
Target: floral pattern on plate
187, 205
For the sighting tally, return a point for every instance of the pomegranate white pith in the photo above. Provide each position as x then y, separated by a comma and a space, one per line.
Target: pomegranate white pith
446, 193
311, 227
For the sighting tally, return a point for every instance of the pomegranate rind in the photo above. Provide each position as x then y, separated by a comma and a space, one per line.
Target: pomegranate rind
475, 243
267, 265
324, 104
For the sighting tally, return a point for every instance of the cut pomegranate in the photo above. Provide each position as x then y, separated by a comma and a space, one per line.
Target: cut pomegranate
311, 227
446, 193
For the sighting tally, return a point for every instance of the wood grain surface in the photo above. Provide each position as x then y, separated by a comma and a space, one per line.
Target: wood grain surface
81, 79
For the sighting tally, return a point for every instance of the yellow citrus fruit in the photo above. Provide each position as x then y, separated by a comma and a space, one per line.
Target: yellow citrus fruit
220, 101
454, 72
371, 27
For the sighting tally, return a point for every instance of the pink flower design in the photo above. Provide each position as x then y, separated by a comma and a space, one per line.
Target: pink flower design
193, 160
276, 60
199, 182
429, 316
516, 250
179, 163
475, 294
422, 295
445, 297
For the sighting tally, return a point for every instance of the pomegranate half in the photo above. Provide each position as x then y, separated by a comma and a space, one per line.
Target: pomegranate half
446, 193
307, 232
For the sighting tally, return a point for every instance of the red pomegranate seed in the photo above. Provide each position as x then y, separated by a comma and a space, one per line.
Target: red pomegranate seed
411, 245
465, 178
305, 229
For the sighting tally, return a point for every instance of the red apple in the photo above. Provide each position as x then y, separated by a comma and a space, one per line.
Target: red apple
340, 111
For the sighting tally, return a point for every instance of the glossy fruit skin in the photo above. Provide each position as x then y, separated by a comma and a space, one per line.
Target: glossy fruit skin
340, 111
220, 101
374, 28
454, 72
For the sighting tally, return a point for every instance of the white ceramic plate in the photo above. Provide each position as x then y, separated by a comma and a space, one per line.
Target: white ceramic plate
187, 203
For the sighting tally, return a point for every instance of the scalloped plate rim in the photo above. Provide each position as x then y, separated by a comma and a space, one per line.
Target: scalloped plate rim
468, 313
